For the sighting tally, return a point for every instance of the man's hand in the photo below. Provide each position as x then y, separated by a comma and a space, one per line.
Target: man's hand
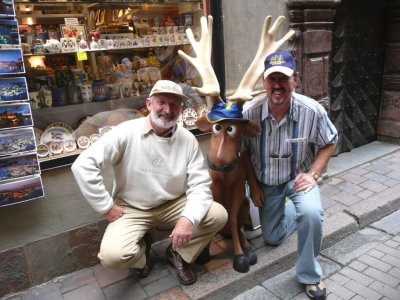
304, 182
182, 233
114, 213
256, 195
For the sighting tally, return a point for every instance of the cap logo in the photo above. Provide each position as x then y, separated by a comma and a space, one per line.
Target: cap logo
277, 60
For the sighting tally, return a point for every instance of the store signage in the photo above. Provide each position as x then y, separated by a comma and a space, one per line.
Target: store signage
81, 55
71, 21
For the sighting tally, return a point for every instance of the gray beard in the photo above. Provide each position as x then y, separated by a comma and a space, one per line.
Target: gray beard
162, 123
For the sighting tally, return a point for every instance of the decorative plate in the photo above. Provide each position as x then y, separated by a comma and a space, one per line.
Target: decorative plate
189, 116
42, 150
60, 125
69, 145
83, 142
56, 134
94, 138
105, 129
56, 147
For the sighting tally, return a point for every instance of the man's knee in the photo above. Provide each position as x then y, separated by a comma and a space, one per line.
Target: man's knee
115, 257
218, 214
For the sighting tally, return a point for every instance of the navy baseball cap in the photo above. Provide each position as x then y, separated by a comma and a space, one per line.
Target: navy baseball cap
222, 111
279, 61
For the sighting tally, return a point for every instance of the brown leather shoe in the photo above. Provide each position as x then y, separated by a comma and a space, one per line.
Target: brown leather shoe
184, 270
145, 271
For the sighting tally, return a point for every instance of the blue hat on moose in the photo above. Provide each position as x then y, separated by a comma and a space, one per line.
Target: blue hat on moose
279, 61
222, 111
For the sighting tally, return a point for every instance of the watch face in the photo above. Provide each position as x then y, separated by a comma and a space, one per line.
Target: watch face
189, 116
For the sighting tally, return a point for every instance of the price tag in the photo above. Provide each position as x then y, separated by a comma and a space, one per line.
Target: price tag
71, 21
81, 55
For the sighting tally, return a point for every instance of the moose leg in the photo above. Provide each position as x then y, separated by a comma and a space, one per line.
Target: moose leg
240, 261
247, 249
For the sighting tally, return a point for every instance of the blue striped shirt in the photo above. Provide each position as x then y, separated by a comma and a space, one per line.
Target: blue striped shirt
288, 148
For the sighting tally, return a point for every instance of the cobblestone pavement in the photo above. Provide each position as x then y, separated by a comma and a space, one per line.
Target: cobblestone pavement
365, 265
360, 257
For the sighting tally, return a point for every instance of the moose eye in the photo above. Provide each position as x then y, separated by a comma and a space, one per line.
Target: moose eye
231, 130
216, 128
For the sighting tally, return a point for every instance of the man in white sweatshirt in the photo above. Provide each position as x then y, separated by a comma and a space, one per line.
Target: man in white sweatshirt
160, 177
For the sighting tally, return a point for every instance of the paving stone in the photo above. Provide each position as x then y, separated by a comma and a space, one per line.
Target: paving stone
349, 188
354, 245
395, 272
171, 294
358, 266
160, 285
353, 178
382, 276
391, 260
106, 276
338, 290
375, 177
376, 263
91, 291
376, 207
373, 186
389, 224
48, 291
339, 278
389, 250
256, 293
126, 289
362, 290
385, 290
357, 276
346, 198
75, 280
394, 175
284, 285
358, 171
379, 166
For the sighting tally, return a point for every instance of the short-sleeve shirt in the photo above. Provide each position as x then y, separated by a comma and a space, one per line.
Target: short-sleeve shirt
283, 150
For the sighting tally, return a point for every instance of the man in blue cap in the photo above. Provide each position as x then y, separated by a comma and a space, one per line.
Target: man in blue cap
294, 148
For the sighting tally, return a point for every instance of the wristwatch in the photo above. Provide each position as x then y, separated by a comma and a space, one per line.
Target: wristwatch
315, 175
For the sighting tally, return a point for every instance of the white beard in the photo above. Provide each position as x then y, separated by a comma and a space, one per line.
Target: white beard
159, 122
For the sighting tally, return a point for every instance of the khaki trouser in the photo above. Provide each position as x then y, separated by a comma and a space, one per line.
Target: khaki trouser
123, 247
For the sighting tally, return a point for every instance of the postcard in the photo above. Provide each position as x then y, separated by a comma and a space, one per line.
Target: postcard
17, 141
12, 167
13, 89
11, 61
7, 8
15, 115
9, 37
21, 191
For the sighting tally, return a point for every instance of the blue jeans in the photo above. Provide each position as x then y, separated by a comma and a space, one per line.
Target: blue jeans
303, 212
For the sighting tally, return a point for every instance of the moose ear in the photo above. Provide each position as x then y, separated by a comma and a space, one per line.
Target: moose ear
203, 124
251, 129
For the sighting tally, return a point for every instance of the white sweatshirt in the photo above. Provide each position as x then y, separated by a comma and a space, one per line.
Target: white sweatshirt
148, 170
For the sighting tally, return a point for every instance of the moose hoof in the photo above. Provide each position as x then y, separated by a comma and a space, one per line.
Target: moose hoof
241, 264
251, 256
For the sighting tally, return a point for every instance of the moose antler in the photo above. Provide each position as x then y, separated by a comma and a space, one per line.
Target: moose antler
266, 46
202, 61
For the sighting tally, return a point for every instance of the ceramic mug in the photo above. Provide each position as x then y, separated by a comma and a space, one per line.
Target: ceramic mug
59, 96
45, 98
74, 94
86, 93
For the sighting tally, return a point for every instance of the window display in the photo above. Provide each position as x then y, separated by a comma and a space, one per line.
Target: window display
90, 66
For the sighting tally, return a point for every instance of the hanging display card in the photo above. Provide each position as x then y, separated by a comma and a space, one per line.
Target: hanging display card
7, 8
17, 141
9, 37
11, 61
15, 115
12, 167
13, 89
21, 191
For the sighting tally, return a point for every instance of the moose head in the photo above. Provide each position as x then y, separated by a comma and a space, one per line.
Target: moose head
226, 123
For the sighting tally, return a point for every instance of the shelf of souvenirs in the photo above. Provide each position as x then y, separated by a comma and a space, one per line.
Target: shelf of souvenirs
129, 46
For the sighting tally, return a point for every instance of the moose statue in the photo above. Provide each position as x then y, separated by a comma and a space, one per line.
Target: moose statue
226, 124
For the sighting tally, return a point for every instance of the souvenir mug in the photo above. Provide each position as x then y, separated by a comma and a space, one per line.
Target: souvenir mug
45, 98
34, 100
59, 96
86, 93
74, 94
99, 90
113, 91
